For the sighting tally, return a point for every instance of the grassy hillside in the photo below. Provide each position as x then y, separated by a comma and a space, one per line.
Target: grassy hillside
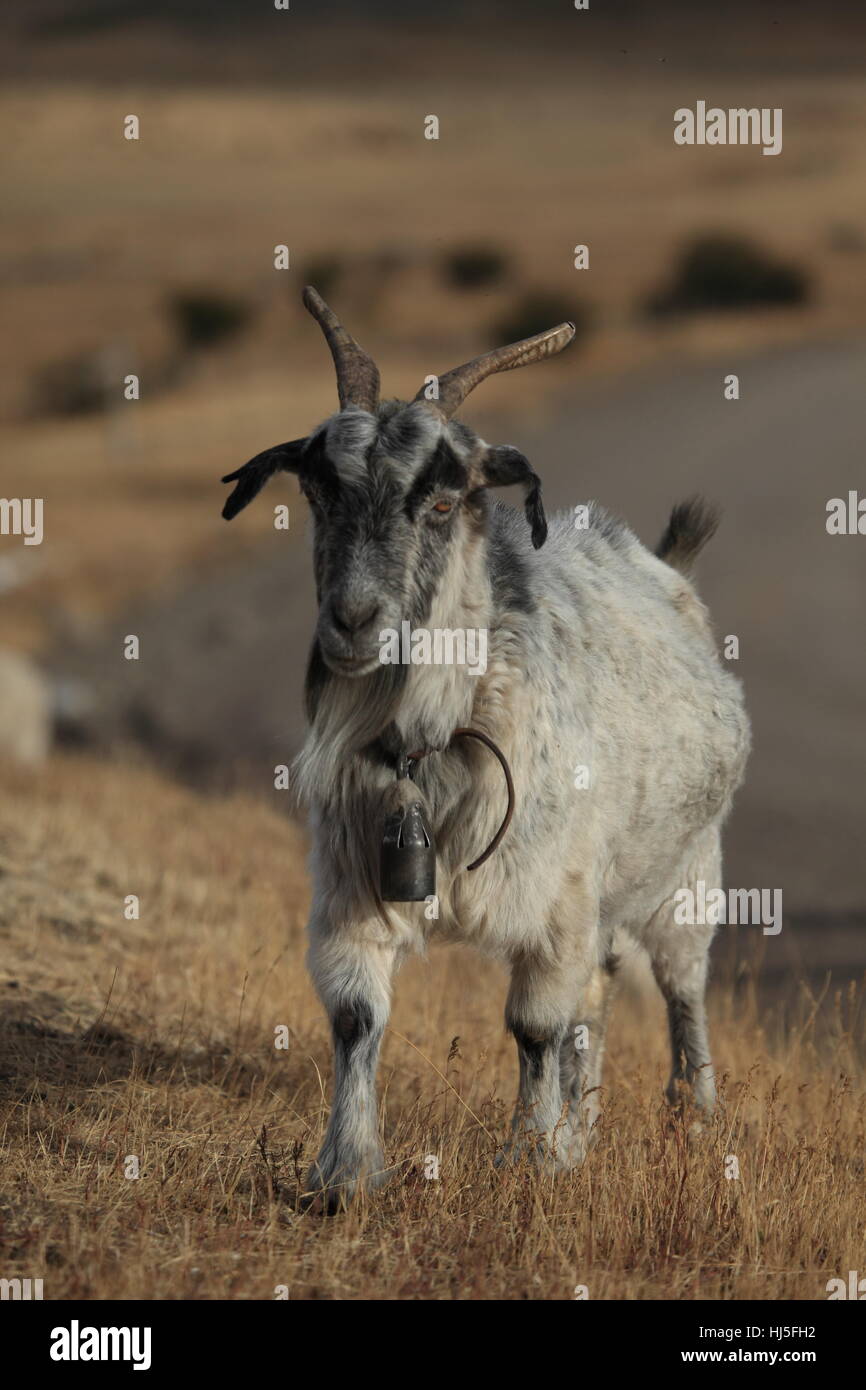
154, 1039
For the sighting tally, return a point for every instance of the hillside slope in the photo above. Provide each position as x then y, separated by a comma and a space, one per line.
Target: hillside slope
153, 1039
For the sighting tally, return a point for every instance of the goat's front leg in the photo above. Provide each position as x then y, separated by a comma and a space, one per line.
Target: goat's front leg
538, 1013
353, 979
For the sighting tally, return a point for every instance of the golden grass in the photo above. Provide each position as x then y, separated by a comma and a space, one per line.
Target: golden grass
154, 1038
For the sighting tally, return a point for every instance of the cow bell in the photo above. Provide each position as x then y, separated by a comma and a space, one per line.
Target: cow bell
407, 864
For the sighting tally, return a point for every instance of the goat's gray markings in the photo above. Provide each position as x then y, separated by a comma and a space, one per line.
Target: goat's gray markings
599, 654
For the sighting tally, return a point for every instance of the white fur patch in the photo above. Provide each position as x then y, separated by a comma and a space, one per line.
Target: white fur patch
348, 436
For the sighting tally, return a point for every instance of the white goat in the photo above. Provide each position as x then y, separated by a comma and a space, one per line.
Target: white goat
600, 654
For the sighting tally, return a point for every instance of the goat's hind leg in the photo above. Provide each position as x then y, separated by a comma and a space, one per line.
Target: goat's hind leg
680, 959
538, 1016
582, 1057
552, 991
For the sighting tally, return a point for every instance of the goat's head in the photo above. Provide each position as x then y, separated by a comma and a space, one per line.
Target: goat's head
396, 489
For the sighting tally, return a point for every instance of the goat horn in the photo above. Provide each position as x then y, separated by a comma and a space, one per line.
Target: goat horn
455, 385
357, 374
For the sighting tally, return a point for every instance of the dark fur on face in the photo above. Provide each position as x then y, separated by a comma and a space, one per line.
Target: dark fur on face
392, 495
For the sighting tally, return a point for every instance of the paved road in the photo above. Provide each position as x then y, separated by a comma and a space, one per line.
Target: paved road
794, 595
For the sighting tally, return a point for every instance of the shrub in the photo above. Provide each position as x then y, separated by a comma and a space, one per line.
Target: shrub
474, 267
535, 311
204, 318
74, 386
324, 274
727, 272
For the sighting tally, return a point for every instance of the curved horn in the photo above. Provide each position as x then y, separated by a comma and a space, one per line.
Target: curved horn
455, 386
357, 374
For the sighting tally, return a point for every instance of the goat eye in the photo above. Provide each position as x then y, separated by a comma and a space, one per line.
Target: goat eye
442, 507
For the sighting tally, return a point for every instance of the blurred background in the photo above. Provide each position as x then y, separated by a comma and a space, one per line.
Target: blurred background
305, 128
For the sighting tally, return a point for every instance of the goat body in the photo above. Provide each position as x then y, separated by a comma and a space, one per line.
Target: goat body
626, 740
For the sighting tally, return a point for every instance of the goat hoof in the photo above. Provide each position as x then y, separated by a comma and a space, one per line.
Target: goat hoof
329, 1201
561, 1158
330, 1187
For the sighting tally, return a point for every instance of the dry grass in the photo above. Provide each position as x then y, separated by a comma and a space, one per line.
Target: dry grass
155, 1038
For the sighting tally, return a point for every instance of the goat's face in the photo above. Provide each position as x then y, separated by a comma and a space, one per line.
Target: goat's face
398, 500
394, 496
398, 493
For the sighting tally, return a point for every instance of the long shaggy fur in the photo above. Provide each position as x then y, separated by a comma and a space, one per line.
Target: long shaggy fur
625, 735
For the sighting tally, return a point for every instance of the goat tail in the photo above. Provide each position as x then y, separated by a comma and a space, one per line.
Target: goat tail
691, 525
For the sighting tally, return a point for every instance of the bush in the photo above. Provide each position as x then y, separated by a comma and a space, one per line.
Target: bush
474, 267
77, 385
536, 311
205, 317
323, 274
727, 272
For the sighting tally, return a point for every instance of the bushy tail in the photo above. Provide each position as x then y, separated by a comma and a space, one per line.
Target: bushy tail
691, 525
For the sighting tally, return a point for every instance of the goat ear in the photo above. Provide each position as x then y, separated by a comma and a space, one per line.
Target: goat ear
502, 466
251, 478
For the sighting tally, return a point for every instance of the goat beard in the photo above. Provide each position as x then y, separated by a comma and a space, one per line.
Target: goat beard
346, 715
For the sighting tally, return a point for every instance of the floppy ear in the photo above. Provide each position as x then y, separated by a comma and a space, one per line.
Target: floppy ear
502, 466
283, 458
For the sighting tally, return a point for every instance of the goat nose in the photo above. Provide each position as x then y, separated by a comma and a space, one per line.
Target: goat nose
353, 617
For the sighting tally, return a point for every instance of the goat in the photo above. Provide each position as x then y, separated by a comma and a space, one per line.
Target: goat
600, 654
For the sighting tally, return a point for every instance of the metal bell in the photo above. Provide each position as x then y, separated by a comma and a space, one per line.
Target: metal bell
407, 864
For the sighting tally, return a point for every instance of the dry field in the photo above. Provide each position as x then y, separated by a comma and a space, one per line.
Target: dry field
100, 233
154, 1038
